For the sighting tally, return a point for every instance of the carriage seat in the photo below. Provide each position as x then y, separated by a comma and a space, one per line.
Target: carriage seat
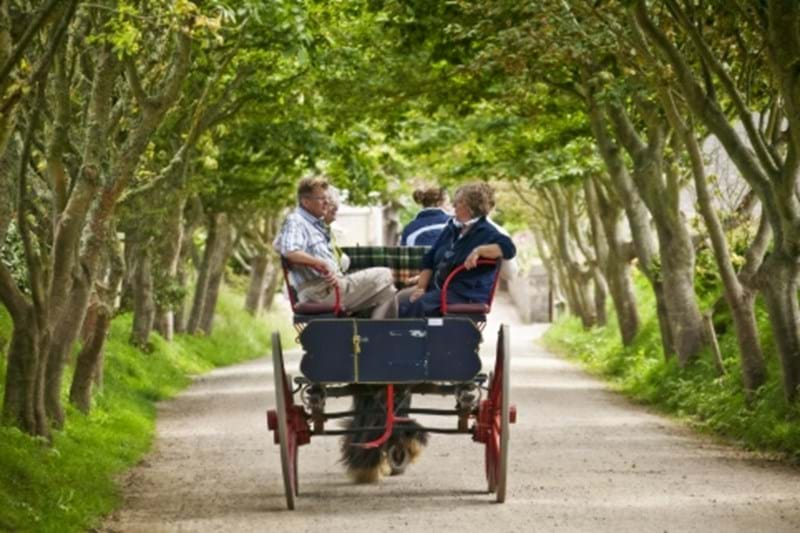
405, 263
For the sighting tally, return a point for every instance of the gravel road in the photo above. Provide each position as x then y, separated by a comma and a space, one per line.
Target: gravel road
581, 459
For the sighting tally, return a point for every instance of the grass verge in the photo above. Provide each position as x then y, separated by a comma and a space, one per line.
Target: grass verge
69, 485
697, 394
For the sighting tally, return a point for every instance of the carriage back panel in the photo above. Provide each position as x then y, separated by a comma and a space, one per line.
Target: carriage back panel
390, 351
405, 261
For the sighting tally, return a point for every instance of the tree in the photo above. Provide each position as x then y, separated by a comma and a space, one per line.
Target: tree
764, 157
86, 182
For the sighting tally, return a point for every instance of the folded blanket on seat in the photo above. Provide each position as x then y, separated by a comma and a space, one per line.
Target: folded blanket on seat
405, 261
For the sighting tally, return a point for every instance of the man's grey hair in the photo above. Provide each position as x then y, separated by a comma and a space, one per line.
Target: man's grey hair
306, 186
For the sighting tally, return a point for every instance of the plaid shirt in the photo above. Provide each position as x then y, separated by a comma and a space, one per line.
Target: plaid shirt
301, 232
405, 261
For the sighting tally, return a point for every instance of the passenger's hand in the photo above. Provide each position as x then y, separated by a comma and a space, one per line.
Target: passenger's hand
412, 280
416, 294
330, 277
328, 274
472, 259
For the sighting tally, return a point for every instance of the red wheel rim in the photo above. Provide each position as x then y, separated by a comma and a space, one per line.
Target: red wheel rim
493, 442
287, 435
495, 418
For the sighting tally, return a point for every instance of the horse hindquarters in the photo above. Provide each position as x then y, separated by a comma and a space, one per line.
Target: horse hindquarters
366, 465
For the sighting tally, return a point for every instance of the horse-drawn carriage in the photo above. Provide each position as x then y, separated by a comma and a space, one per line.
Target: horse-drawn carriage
382, 364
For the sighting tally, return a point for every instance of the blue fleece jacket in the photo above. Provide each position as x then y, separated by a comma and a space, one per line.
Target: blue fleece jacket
425, 228
451, 249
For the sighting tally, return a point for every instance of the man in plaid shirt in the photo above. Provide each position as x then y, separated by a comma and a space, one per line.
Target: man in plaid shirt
305, 242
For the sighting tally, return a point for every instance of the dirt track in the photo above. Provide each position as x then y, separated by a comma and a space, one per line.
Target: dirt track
582, 459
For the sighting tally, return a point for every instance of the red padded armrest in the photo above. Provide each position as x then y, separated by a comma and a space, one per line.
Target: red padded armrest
471, 308
314, 308
309, 308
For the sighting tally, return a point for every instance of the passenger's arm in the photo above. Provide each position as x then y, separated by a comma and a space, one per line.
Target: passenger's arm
485, 251
422, 284
302, 258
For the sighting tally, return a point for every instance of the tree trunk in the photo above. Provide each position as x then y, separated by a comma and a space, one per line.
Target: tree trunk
220, 258
210, 304
203, 273
166, 269
680, 300
259, 267
553, 276
210, 274
275, 277
754, 371
143, 304
63, 338
88, 366
612, 257
779, 283
579, 276
618, 276
8, 163
600, 296
179, 318
22, 403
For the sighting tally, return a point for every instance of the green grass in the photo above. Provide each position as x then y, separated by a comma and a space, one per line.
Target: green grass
696, 394
68, 486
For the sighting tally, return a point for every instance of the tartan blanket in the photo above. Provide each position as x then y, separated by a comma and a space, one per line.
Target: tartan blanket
404, 261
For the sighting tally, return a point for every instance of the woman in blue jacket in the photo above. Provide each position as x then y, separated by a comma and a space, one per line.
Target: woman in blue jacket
429, 223
465, 239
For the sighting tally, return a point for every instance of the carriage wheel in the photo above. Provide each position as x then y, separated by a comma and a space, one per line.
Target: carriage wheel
498, 411
287, 438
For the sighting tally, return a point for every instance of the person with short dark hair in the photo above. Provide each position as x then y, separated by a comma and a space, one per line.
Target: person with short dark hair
305, 241
430, 221
468, 237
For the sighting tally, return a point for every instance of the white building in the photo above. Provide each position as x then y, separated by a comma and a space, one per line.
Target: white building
362, 226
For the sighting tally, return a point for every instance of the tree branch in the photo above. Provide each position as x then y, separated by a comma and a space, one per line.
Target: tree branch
39, 20
625, 131
704, 107
768, 159
135, 83
32, 258
12, 298
43, 66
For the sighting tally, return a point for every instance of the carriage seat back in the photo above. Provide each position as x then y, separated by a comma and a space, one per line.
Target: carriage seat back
405, 263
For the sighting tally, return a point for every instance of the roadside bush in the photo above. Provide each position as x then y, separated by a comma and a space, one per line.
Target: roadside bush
696, 394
